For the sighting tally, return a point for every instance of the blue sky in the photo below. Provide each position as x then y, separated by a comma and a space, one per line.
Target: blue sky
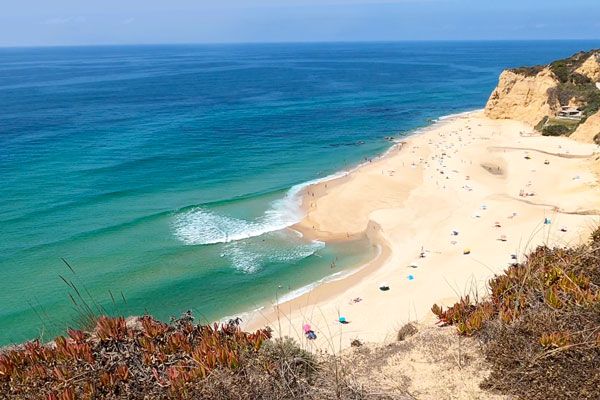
80, 22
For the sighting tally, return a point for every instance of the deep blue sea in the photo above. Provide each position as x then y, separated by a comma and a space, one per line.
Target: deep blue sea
166, 175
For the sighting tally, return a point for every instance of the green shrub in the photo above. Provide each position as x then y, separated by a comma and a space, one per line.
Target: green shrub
540, 125
528, 71
561, 70
555, 130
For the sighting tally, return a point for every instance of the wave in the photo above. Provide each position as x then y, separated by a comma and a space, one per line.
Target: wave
457, 115
308, 288
248, 259
201, 226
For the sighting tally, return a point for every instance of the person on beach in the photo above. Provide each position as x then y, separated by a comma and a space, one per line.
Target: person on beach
310, 334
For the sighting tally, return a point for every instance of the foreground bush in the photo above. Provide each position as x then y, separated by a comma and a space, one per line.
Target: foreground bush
148, 359
144, 359
540, 324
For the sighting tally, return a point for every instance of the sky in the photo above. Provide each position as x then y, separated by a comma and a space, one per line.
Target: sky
94, 22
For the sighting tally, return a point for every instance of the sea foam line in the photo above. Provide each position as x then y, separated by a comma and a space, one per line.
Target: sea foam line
458, 115
338, 276
203, 226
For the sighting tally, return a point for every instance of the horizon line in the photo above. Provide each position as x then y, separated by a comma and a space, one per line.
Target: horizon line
233, 43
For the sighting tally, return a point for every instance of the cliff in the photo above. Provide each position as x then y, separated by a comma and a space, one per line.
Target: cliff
527, 98
588, 131
536, 95
591, 67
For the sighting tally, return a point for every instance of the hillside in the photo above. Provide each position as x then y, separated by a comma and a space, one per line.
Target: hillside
561, 98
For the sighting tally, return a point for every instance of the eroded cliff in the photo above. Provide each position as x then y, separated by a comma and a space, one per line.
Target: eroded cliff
588, 131
591, 67
527, 98
561, 98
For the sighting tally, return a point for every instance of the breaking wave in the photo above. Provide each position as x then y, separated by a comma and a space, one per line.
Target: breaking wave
249, 259
201, 225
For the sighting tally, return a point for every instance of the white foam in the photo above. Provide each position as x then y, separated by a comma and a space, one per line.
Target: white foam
243, 260
244, 316
203, 226
458, 115
307, 288
296, 293
329, 278
248, 258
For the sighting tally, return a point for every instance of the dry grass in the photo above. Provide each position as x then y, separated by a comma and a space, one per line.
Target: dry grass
148, 359
540, 324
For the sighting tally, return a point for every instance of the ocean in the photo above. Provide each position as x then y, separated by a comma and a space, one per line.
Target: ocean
166, 176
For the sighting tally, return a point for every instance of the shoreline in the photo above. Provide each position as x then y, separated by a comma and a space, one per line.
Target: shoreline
363, 202
333, 180
330, 181
320, 187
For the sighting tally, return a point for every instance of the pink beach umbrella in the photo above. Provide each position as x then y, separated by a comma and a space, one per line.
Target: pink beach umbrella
306, 328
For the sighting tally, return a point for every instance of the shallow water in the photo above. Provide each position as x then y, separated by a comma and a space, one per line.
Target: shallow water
168, 173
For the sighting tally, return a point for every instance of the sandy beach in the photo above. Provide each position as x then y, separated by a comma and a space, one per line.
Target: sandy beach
448, 207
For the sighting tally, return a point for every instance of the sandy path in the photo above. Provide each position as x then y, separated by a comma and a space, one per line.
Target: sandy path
464, 174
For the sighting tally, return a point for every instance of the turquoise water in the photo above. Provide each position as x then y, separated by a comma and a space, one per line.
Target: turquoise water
167, 174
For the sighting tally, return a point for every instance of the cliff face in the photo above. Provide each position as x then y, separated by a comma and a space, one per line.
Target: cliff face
527, 98
536, 94
589, 131
591, 68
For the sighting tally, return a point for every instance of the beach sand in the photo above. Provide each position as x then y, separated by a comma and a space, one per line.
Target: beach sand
466, 184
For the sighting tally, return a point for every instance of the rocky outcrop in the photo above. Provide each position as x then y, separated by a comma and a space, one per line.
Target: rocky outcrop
524, 97
591, 68
589, 131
